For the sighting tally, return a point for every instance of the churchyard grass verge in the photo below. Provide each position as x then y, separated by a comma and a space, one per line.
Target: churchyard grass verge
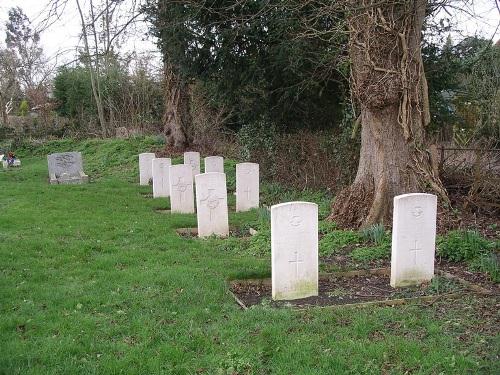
93, 280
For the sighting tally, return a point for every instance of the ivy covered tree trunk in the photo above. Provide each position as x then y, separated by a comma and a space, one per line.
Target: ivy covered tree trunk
390, 88
177, 118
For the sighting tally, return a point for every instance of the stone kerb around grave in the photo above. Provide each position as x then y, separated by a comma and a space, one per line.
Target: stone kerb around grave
413, 239
214, 164
247, 186
145, 167
192, 158
66, 168
211, 204
181, 189
294, 250
161, 181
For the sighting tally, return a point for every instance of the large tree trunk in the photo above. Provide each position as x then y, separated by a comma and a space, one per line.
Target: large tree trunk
177, 117
389, 85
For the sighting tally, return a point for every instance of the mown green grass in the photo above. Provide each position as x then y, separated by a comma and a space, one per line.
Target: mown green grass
93, 281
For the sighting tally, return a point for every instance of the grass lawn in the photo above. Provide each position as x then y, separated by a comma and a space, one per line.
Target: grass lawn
93, 281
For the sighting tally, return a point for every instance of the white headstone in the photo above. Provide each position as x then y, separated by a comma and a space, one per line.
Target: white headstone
294, 250
181, 189
247, 186
211, 204
214, 164
145, 167
66, 168
161, 173
192, 158
413, 239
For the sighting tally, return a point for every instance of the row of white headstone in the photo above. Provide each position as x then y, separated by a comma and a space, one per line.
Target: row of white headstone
176, 182
294, 245
294, 225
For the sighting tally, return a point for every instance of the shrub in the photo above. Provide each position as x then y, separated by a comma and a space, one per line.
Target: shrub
488, 263
375, 234
260, 244
463, 245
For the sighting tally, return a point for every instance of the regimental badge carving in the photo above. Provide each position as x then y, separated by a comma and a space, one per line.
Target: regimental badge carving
417, 212
295, 219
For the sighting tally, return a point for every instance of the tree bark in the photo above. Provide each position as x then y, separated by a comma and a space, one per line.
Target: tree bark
177, 118
389, 85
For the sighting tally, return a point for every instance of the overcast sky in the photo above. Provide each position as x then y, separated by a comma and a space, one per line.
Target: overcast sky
63, 35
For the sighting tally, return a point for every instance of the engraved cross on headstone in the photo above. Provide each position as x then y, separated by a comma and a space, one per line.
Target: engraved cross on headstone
248, 191
212, 201
297, 261
181, 187
414, 251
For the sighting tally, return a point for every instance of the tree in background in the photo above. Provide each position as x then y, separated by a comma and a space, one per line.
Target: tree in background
132, 90
32, 69
171, 22
251, 60
9, 82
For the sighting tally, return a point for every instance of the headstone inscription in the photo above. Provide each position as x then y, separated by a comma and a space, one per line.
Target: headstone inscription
145, 167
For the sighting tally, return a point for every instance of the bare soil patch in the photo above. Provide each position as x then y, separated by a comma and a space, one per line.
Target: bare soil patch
233, 232
357, 287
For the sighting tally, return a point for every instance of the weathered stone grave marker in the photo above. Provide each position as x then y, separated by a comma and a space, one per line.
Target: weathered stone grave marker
145, 167
294, 250
413, 239
247, 186
66, 168
214, 164
161, 180
211, 204
181, 189
192, 158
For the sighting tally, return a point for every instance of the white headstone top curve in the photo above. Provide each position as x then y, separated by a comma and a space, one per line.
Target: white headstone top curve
181, 189
145, 167
247, 186
192, 158
294, 250
214, 164
413, 239
161, 173
211, 204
